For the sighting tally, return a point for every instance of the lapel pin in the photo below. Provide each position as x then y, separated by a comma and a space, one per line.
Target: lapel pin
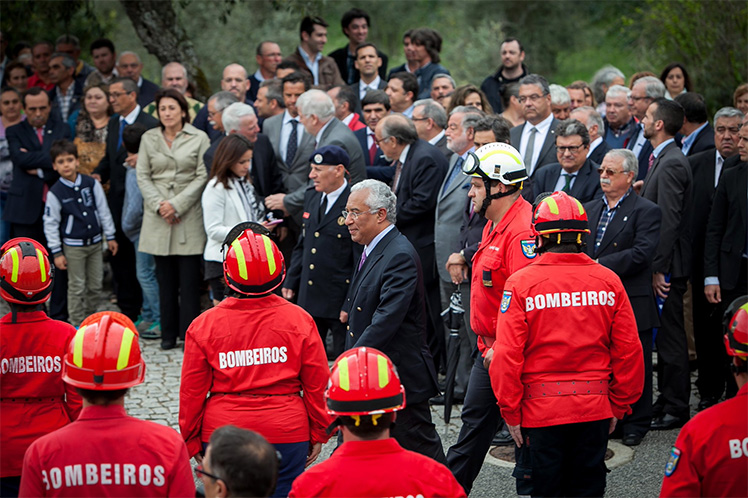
625, 218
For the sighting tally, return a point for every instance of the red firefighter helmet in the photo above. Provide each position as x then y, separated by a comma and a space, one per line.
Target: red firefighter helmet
253, 264
25, 272
364, 381
736, 337
104, 354
559, 213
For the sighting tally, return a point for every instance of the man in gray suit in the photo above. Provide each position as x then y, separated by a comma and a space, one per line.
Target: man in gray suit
536, 138
317, 114
450, 204
430, 119
669, 184
292, 146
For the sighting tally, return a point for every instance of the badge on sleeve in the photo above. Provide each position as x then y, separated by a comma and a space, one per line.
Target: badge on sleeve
672, 462
305, 215
528, 248
506, 300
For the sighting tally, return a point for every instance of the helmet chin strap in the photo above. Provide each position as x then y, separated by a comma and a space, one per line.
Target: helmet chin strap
490, 197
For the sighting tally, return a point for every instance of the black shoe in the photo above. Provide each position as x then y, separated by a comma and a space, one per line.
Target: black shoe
632, 439
167, 345
439, 400
667, 422
707, 402
502, 438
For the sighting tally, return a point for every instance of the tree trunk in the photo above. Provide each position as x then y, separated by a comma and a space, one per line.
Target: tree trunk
157, 26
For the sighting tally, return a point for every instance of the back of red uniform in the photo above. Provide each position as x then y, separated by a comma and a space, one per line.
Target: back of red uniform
565, 319
710, 456
107, 453
35, 400
375, 469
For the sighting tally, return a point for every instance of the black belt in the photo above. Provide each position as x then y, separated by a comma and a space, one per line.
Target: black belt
51, 399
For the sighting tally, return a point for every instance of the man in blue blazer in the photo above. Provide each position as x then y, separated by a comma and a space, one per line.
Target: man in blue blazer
385, 309
624, 233
574, 174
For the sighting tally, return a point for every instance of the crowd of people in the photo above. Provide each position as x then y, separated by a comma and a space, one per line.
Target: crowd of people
327, 195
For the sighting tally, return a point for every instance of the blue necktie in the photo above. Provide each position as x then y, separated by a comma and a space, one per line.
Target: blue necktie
452, 174
122, 125
293, 139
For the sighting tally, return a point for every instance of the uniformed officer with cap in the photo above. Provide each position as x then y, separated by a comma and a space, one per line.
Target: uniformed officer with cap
322, 262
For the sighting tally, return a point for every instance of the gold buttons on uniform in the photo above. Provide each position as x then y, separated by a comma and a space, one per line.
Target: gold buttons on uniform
316, 234
348, 327
314, 250
351, 334
358, 308
311, 267
310, 282
348, 280
339, 236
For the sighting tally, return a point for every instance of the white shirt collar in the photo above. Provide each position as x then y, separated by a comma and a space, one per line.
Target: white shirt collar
348, 119
594, 145
404, 154
375, 240
373, 85
130, 118
437, 138
543, 126
333, 196
259, 77
318, 136
287, 117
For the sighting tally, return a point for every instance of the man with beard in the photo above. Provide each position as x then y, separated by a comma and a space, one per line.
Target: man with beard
512, 69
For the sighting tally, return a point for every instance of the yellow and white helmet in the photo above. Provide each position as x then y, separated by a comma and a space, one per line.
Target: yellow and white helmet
496, 161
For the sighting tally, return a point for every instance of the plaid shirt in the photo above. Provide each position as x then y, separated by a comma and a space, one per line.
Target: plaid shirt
64, 100
606, 217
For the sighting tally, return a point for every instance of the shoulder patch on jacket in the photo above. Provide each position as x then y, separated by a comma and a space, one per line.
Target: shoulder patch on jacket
672, 463
528, 248
506, 300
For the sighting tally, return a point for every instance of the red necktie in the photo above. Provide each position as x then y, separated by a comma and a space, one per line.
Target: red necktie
651, 161
40, 135
372, 152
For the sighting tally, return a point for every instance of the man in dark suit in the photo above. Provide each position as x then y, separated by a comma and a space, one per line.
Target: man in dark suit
376, 105
574, 174
698, 134
643, 93
624, 233
419, 172
29, 142
130, 66
590, 118
536, 138
707, 168
669, 184
385, 309
217, 103
725, 248
268, 56
368, 62
355, 24
123, 95
430, 120
322, 265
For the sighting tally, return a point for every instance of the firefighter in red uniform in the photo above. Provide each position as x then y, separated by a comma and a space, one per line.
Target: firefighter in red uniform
247, 361
364, 393
34, 400
507, 245
710, 456
567, 358
105, 452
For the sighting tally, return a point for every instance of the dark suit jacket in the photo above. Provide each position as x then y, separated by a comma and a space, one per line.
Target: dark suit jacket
340, 56
323, 259
644, 153
111, 167
702, 169
669, 184
379, 159
329, 76
628, 248
387, 311
254, 85
726, 231
599, 153
357, 106
75, 102
147, 93
547, 153
703, 141
24, 205
441, 144
339, 134
586, 186
425, 76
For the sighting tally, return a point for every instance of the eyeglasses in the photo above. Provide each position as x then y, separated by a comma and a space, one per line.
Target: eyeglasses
199, 470
570, 148
532, 98
117, 95
356, 214
419, 119
610, 172
379, 140
637, 99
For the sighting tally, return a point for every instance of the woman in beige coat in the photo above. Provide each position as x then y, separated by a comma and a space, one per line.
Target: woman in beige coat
171, 177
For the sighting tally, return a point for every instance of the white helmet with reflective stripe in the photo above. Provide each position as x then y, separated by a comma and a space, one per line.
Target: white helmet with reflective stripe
496, 161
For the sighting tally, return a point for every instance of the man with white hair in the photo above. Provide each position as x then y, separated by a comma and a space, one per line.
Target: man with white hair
560, 102
620, 125
643, 93
317, 115
174, 75
605, 78
130, 66
590, 118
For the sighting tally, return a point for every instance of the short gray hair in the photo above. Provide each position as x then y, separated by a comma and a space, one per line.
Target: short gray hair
630, 162
470, 116
221, 100
434, 110
618, 91
380, 197
653, 87
274, 90
604, 77
593, 118
443, 75
400, 127
173, 64
128, 52
318, 103
559, 95
537, 80
233, 114
728, 112
67, 59
128, 84
71, 39
571, 127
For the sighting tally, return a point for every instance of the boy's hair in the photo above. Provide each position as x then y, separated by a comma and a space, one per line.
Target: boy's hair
63, 147
131, 137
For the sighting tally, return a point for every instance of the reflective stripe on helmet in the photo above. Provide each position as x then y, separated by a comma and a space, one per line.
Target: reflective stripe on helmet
78, 347
552, 205
502, 152
14, 256
124, 348
42, 269
344, 378
269, 253
240, 260
382, 367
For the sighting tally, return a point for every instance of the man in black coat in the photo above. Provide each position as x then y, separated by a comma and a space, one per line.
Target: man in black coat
124, 98
385, 309
323, 259
625, 231
698, 134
